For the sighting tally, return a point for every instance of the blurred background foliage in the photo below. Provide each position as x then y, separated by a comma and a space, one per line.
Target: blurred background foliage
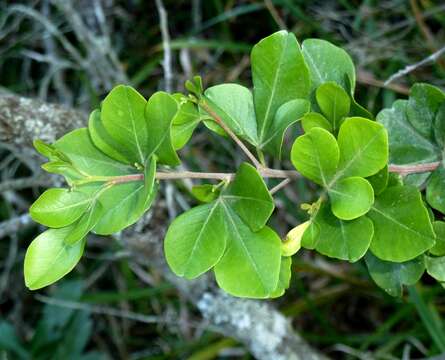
74, 52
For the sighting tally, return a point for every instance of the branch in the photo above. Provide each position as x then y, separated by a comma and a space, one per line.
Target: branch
167, 61
413, 169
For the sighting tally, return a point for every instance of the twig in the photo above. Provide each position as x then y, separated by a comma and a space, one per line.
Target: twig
235, 138
23, 183
167, 62
280, 186
274, 13
412, 169
367, 78
432, 58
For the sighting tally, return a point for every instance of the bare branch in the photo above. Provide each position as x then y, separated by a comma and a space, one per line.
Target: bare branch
167, 62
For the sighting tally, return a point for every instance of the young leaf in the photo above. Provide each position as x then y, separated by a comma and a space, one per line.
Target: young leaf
435, 190
315, 155
417, 150
423, 104
50, 151
391, 276
249, 197
286, 115
59, 207
196, 240
284, 277
313, 119
334, 102
351, 197
328, 62
363, 147
439, 247
330, 236
123, 119
85, 223
279, 74
185, 121
379, 181
160, 112
400, 210
435, 267
104, 142
251, 263
234, 104
48, 258
88, 159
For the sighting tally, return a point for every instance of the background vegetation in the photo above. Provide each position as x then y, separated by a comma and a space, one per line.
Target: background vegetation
74, 52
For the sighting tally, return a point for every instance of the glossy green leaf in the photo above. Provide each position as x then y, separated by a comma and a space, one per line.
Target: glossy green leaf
392, 276
50, 152
316, 155
284, 277
185, 121
49, 258
286, 115
196, 240
313, 119
59, 207
356, 108
330, 236
439, 247
328, 62
363, 147
435, 267
250, 266
400, 210
423, 104
122, 116
402, 152
85, 224
435, 190
160, 112
279, 74
205, 192
333, 101
104, 142
234, 104
439, 126
249, 197
379, 181
88, 159
351, 197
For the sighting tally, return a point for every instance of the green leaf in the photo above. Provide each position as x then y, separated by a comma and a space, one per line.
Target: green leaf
123, 119
435, 267
379, 181
234, 104
249, 197
284, 277
356, 108
435, 190
48, 258
313, 119
328, 62
84, 225
125, 203
63, 168
334, 102
363, 147
400, 210
439, 247
439, 126
88, 159
316, 155
160, 112
402, 152
195, 86
286, 115
104, 142
59, 207
279, 74
50, 151
340, 239
391, 276
351, 197
185, 121
423, 104
205, 192
196, 240
251, 263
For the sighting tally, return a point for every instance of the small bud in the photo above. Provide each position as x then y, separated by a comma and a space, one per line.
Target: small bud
292, 242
